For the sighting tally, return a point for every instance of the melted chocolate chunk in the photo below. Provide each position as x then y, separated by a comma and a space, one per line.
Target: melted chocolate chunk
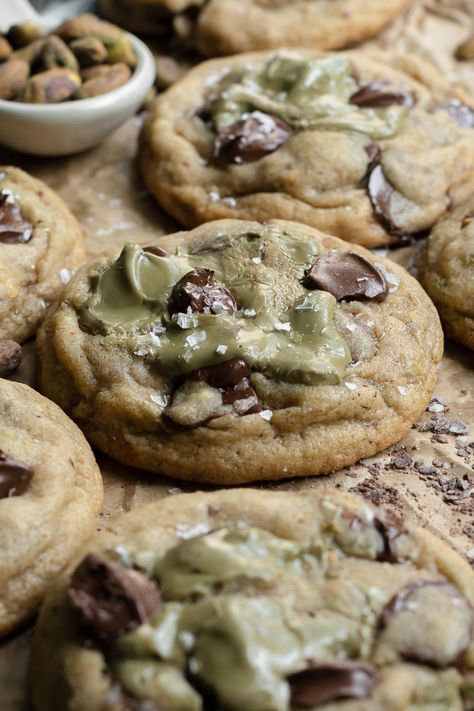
237, 394
15, 476
324, 682
198, 290
347, 275
219, 376
153, 249
381, 192
252, 137
10, 357
381, 94
110, 598
389, 527
429, 622
461, 113
13, 228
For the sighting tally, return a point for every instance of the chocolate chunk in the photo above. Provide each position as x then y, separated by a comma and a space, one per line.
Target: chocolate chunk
252, 137
110, 598
380, 94
219, 376
198, 290
153, 249
10, 357
324, 682
461, 113
15, 476
346, 275
13, 228
381, 192
243, 397
429, 622
389, 527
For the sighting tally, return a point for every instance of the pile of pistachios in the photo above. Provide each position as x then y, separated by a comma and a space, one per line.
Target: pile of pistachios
83, 57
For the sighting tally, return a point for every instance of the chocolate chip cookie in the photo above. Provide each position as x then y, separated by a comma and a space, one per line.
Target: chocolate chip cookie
241, 351
41, 245
370, 147
219, 27
259, 600
447, 272
50, 496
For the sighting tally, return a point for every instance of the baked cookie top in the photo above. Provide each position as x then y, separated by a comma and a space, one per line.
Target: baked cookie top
220, 27
259, 600
41, 245
219, 354
373, 148
50, 497
447, 272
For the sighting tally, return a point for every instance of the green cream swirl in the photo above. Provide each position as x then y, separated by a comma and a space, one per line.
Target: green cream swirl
307, 94
281, 328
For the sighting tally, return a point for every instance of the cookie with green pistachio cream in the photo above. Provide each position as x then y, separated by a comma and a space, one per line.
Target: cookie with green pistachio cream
241, 351
50, 497
371, 147
219, 27
446, 270
41, 245
263, 601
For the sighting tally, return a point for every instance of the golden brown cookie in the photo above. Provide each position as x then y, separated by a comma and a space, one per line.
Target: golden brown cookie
41, 245
50, 497
220, 27
241, 351
369, 147
447, 272
259, 600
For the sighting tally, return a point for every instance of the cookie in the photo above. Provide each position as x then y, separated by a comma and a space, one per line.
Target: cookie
447, 272
221, 27
370, 147
272, 601
241, 351
50, 496
41, 245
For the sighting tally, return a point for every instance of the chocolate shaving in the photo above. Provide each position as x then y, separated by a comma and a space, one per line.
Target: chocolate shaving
347, 275
324, 682
381, 192
110, 598
252, 137
380, 94
10, 357
15, 476
153, 249
199, 291
13, 228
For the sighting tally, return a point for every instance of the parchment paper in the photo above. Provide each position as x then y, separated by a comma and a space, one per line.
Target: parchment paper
428, 477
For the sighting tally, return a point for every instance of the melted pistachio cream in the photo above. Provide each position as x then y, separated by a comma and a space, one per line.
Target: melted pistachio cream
281, 328
240, 645
307, 94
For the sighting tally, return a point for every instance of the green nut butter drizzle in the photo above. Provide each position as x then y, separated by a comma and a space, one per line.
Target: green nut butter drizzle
240, 645
306, 93
281, 328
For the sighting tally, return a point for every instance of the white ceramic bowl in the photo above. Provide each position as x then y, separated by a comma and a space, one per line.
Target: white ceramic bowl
73, 126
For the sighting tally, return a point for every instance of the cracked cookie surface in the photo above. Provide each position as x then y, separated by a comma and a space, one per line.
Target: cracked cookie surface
241, 351
220, 27
447, 272
259, 600
50, 497
41, 245
372, 147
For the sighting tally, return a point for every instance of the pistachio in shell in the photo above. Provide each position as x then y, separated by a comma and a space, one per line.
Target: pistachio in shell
13, 77
102, 79
56, 53
24, 33
89, 51
51, 87
122, 51
5, 49
88, 25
